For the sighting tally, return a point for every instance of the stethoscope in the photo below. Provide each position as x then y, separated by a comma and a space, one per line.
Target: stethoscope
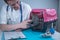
21, 18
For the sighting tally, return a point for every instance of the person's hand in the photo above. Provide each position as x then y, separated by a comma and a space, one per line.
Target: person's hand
24, 25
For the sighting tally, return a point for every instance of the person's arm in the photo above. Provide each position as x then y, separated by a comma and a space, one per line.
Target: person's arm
23, 25
5, 27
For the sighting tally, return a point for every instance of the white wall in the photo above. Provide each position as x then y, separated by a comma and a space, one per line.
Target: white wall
40, 3
59, 16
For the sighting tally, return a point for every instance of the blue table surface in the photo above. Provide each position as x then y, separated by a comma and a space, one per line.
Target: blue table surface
32, 35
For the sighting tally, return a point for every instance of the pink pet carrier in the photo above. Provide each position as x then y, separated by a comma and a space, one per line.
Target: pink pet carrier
49, 15
42, 18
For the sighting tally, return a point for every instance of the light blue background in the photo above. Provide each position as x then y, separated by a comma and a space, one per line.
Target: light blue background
42, 4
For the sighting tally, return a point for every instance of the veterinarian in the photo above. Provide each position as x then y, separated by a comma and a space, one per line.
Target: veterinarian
14, 15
